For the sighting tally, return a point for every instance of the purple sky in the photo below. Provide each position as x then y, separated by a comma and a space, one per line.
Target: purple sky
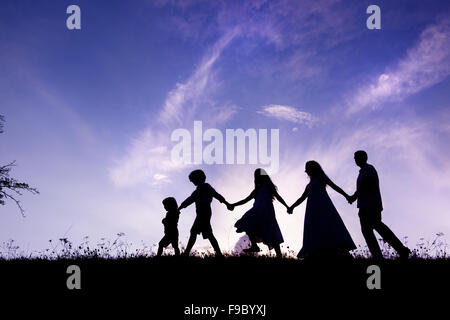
90, 112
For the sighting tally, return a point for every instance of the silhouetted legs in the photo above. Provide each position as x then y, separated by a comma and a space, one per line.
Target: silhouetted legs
215, 244
190, 244
165, 241
370, 221
254, 247
160, 250
175, 247
211, 239
278, 251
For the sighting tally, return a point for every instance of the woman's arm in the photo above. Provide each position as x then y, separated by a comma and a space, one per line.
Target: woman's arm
299, 201
336, 188
250, 197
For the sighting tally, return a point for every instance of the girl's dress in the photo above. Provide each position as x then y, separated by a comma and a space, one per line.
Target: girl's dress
260, 221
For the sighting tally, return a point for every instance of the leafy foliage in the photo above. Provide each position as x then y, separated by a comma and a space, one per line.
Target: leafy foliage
11, 188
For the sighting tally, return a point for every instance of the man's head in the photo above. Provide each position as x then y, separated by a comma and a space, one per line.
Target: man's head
197, 177
360, 158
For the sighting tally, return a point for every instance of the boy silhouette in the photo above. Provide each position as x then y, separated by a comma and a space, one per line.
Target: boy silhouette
170, 223
202, 196
370, 206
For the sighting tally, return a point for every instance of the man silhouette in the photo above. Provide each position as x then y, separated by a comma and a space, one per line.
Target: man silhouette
370, 206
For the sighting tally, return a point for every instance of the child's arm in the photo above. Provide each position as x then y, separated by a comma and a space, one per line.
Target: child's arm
279, 198
217, 195
189, 200
250, 197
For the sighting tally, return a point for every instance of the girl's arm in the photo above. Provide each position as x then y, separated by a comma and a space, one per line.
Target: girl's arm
279, 198
250, 197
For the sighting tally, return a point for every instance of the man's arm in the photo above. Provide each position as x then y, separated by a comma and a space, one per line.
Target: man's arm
359, 185
368, 177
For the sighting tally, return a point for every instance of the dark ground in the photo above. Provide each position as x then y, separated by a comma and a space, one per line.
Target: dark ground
290, 289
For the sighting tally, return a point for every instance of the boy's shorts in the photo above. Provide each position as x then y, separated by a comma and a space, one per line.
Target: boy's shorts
203, 227
202, 223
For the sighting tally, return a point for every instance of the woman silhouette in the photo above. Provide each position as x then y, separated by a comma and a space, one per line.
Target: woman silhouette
324, 231
260, 222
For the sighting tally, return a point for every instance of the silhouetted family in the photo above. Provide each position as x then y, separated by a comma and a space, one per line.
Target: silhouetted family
324, 232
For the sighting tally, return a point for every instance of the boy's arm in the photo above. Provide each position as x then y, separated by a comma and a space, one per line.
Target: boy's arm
189, 200
217, 195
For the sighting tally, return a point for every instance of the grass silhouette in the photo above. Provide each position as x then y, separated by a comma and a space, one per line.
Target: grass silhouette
120, 248
112, 267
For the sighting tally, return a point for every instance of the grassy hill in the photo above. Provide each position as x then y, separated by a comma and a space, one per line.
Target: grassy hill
171, 284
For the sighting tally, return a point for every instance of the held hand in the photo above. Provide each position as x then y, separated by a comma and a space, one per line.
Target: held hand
350, 199
230, 206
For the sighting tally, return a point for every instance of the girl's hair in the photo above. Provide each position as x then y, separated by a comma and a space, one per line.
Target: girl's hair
170, 202
314, 170
262, 178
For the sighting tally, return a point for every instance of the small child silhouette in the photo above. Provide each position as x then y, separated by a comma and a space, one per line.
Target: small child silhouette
170, 223
202, 196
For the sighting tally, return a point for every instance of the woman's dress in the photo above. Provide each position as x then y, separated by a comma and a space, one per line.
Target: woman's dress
324, 230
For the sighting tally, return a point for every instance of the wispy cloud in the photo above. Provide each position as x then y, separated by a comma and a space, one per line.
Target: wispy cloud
287, 113
424, 65
184, 98
148, 158
295, 30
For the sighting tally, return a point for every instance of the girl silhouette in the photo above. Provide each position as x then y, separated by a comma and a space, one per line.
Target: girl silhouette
324, 231
260, 222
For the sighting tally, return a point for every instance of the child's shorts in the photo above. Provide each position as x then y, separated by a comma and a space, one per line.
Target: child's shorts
203, 227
